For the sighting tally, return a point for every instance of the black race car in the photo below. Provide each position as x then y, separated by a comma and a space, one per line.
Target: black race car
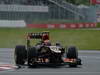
44, 53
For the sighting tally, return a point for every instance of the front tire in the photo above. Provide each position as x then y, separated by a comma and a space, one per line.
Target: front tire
72, 53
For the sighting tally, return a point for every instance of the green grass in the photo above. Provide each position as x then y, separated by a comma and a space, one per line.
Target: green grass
98, 25
83, 39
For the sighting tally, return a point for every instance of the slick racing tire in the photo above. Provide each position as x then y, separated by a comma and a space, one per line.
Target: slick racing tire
72, 52
20, 55
32, 57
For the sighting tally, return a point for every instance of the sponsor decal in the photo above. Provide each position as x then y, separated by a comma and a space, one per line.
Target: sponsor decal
87, 25
62, 26
95, 1
81, 25
51, 26
69, 25
73, 26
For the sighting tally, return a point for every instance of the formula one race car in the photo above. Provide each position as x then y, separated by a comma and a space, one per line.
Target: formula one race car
44, 53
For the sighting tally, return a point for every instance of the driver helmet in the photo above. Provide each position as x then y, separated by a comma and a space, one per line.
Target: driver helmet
45, 37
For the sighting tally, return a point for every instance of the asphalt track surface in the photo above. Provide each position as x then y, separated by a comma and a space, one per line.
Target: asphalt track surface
90, 61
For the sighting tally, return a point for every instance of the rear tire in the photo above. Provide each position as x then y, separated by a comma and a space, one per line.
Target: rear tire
20, 55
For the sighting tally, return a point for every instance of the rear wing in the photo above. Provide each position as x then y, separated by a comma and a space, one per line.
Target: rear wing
36, 35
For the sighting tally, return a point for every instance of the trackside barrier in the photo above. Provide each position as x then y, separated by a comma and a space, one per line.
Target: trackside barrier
12, 23
67, 26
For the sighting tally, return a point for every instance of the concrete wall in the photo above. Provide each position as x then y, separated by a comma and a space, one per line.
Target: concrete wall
12, 23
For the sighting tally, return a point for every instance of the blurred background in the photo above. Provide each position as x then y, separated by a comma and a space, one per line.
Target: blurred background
47, 12
18, 17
